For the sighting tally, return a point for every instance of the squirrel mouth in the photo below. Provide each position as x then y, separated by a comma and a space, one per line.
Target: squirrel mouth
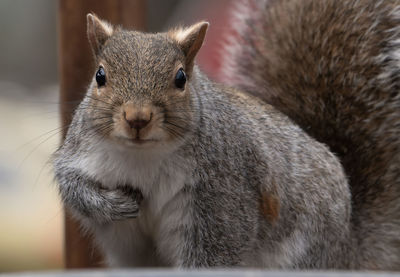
140, 141
136, 141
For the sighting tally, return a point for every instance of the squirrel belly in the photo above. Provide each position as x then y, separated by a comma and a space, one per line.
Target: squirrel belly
333, 68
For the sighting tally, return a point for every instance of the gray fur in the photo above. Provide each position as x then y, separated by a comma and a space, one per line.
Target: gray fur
234, 182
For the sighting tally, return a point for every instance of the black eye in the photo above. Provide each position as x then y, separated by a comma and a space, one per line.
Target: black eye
180, 79
101, 77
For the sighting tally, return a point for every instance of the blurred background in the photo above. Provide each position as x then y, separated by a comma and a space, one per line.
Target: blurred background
31, 217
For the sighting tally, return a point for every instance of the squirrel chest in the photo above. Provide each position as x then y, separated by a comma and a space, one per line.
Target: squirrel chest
162, 208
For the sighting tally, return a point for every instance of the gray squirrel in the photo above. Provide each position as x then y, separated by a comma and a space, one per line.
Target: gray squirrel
297, 169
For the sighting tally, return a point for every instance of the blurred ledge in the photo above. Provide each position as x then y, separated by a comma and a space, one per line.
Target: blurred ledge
199, 273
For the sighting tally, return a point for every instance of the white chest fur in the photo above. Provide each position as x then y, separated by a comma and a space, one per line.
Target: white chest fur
154, 235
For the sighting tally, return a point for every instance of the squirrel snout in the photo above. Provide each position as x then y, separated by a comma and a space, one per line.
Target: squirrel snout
137, 123
137, 118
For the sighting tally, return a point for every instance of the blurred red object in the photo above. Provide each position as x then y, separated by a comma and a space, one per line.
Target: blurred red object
219, 14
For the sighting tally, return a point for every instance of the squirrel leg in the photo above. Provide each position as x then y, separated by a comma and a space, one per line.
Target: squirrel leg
124, 244
204, 248
88, 200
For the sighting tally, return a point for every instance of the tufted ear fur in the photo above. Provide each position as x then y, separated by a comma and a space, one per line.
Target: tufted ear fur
98, 31
190, 40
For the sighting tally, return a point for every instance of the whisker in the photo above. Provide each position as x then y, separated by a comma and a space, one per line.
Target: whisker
175, 125
36, 147
172, 131
40, 136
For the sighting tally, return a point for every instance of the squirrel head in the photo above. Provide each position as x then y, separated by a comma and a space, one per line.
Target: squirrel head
140, 93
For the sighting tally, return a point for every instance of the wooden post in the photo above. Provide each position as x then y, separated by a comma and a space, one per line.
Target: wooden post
75, 71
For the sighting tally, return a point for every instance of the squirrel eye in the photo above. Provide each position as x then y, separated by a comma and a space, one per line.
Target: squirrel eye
180, 79
101, 77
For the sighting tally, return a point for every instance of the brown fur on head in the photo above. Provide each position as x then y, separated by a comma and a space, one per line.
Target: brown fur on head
140, 103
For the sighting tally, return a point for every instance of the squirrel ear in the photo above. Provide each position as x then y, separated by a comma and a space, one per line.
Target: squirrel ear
190, 40
98, 31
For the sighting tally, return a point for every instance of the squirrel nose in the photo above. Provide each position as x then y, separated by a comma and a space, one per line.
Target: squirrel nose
137, 119
137, 123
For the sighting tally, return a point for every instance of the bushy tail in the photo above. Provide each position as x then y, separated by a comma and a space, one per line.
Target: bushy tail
333, 67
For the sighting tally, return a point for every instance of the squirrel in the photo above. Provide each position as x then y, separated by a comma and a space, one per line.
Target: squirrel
296, 168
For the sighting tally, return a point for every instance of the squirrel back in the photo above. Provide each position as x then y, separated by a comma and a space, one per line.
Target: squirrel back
334, 68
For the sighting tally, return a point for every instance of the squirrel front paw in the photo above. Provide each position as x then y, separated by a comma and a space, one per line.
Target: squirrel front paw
121, 203
89, 200
115, 205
